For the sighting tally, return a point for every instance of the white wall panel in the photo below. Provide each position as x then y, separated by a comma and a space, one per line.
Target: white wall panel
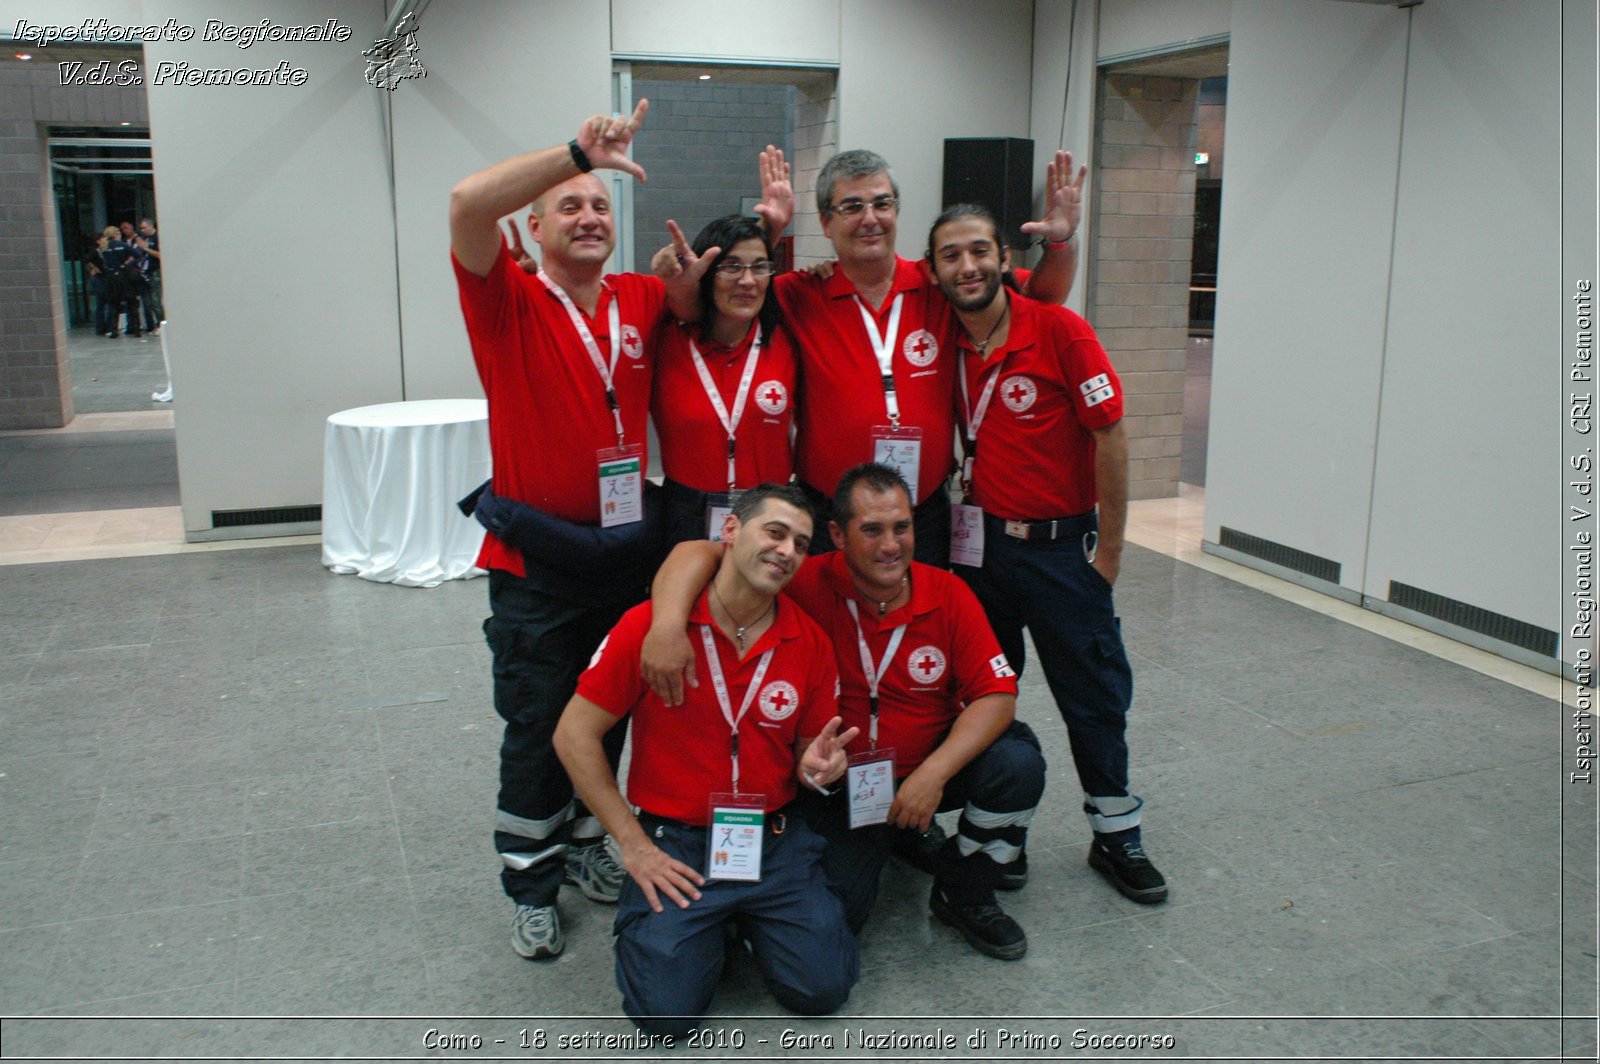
1470, 468
504, 76
278, 243
1314, 100
779, 30
913, 73
1064, 47
1138, 27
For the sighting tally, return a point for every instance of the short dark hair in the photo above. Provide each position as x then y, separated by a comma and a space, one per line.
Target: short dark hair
724, 233
857, 162
749, 503
875, 475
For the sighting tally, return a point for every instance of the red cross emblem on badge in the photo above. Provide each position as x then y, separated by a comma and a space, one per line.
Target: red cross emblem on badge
632, 343
772, 397
1018, 393
921, 348
926, 664
779, 699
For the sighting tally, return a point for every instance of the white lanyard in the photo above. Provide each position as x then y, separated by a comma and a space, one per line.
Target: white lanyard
720, 685
975, 417
883, 345
730, 424
874, 675
607, 372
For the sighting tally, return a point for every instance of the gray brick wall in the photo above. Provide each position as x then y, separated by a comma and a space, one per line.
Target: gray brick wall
1143, 206
35, 383
700, 150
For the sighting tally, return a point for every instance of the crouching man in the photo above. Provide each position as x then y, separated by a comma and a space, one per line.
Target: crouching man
715, 839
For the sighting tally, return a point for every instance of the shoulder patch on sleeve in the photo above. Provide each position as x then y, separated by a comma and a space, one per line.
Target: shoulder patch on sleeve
1096, 390
1002, 667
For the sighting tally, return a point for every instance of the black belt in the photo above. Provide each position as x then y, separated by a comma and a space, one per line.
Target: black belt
1043, 531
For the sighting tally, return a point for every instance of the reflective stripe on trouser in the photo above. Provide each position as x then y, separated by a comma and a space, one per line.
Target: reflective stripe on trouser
668, 963
540, 644
1113, 814
1049, 588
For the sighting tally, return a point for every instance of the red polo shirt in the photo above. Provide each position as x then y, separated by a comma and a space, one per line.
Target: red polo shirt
683, 754
947, 659
694, 444
843, 390
548, 416
1035, 444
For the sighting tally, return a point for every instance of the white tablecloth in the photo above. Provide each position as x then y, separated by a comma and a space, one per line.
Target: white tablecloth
391, 475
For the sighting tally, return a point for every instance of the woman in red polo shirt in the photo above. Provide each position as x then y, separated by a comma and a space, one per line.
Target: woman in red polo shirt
724, 386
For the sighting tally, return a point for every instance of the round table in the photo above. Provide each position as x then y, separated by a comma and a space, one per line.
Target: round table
391, 475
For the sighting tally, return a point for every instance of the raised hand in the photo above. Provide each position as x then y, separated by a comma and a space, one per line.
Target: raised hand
605, 140
1063, 200
777, 194
525, 262
677, 264
824, 760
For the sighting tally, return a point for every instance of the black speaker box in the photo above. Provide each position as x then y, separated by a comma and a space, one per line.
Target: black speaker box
994, 172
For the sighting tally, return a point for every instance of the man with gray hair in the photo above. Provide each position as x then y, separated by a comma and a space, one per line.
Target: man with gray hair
877, 385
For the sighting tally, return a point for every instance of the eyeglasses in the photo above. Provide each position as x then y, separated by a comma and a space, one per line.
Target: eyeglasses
759, 268
852, 207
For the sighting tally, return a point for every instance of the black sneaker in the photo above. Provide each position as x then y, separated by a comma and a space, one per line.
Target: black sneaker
920, 851
1129, 870
985, 926
1014, 876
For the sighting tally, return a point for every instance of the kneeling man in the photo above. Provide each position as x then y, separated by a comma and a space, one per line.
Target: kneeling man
713, 780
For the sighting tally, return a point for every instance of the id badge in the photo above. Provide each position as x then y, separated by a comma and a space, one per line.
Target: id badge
870, 783
966, 535
718, 506
900, 449
621, 485
733, 848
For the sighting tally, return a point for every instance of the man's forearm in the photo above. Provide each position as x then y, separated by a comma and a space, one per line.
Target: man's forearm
1051, 280
975, 730
1111, 486
480, 200
680, 578
578, 744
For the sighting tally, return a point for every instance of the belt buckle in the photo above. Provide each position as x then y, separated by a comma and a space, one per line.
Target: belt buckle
1017, 529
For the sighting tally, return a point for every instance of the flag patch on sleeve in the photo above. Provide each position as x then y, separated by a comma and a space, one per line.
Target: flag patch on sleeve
1096, 390
1002, 667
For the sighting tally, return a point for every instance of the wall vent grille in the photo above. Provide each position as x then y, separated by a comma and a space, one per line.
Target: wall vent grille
1475, 619
280, 515
1276, 553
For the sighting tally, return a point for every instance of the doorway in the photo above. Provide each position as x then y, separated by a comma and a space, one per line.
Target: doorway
1153, 286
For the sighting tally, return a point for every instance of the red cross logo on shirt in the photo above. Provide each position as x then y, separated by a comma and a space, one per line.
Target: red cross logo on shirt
632, 343
1018, 393
926, 664
772, 397
779, 700
921, 348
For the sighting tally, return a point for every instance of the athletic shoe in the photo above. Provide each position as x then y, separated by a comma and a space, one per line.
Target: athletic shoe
1129, 870
985, 926
536, 932
1014, 876
595, 870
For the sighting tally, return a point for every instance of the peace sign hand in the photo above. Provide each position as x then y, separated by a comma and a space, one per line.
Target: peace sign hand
824, 760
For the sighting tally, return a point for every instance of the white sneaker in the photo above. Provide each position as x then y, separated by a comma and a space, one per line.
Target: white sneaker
595, 870
536, 932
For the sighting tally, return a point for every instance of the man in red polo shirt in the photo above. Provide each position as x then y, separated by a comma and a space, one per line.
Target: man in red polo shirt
714, 779
932, 696
1041, 410
562, 360
876, 384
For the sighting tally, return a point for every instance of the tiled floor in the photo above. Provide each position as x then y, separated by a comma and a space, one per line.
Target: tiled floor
234, 785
